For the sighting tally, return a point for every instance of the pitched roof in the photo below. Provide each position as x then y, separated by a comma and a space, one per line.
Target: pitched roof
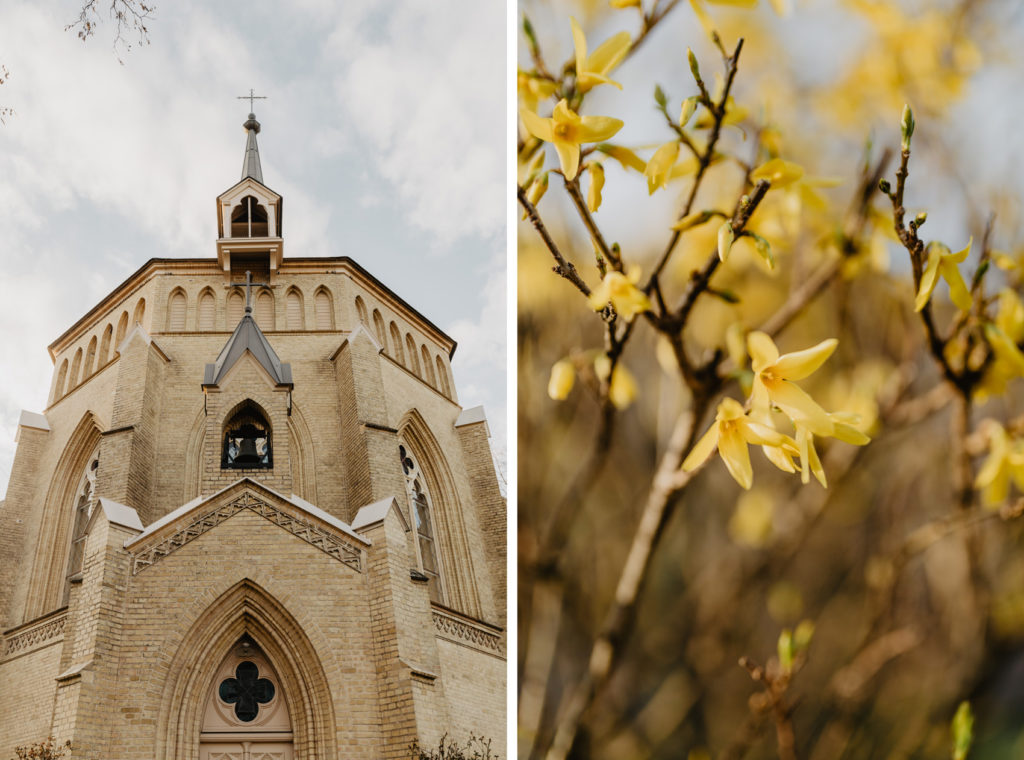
248, 337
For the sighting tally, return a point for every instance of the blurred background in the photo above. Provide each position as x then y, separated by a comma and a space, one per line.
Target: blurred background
917, 603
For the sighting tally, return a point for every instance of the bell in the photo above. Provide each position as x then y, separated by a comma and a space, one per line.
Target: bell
247, 453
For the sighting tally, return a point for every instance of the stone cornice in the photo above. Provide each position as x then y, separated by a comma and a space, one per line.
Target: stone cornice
476, 634
34, 634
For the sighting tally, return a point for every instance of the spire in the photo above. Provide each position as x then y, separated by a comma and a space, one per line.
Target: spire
251, 162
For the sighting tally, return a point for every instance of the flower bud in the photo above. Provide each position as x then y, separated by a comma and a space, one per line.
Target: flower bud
563, 377
907, 126
694, 66
725, 239
689, 106
921, 218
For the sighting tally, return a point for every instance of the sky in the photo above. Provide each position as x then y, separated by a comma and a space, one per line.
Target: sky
383, 128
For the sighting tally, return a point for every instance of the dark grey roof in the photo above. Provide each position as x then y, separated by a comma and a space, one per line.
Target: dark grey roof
248, 337
251, 162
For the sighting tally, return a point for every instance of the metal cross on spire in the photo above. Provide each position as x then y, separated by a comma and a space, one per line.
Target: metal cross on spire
251, 97
248, 290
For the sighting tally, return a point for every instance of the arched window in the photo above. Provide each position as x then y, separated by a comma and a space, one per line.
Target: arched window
264, 311
396, 341
380, 330
235, 309
324, 310
247, 443
90, 356
410, 347
247, 713
76, 365
207, 311
140, 311
248, 219
428, 367
361, 311
84, 502
293, 311
62, 375
122, 328
426, 546
105, 345
442, 377
176, 312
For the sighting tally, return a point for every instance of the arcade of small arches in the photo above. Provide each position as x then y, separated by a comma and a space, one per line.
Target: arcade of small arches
100, 351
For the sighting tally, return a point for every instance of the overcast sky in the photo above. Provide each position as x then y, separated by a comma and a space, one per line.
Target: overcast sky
384, 130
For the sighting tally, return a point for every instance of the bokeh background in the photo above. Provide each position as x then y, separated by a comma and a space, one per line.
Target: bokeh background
917, 603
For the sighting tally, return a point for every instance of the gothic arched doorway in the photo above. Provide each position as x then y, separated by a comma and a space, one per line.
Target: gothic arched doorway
246, 714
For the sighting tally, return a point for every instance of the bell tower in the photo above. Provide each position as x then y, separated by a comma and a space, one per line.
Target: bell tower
249, 220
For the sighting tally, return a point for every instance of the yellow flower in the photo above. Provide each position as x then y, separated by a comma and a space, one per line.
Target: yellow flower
623, 3
624, 156
622, 388
658, 168
592, 70
774, 376
942, 262
534, 89
563, 377
732, 431
596, 184
566, 130
623, 294
536, 191
689, 106
1004, 462
780, 173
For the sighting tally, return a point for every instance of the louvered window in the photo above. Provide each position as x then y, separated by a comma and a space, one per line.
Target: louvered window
294, 312
265, 311
236, 307
324, 312
206, 312
176, 313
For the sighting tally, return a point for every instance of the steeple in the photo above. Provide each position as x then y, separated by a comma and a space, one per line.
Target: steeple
251, 162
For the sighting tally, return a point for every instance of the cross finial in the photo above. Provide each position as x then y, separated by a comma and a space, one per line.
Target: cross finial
248, 290
251, 97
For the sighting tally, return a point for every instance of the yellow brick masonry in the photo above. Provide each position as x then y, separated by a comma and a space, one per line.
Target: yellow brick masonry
386, 679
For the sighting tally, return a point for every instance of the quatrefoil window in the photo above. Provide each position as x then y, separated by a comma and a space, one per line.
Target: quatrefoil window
246, 691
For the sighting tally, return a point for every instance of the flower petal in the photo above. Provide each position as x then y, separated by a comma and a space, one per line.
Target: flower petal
762, 350
960, 256
569, 158
850, 434
800, 364
565, 114
929, 278
597, 128
958, 293
762, 435
801, 408
536, 125
702, 449
734, 453
579, 43
609, 53
779, 457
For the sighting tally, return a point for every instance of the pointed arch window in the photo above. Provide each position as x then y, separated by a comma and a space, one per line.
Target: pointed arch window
85, 500
105, 345
122, 328
140, 312
426, 542
62, 375
324, 310
442, 377
207, 311
414, 362
428, 367
293, 311
249, 219
247, 440
235, 309
396, 341
264, 311
378, 327
361, 311
76, 365
176, 312
90, 356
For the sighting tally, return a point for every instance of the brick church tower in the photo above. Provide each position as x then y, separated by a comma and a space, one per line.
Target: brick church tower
253, 521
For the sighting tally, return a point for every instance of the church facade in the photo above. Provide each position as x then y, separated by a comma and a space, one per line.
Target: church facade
253, 522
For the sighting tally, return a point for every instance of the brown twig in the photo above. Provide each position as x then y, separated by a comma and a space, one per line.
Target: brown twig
563, 267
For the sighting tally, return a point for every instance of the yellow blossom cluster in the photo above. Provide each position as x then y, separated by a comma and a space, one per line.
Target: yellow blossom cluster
774, 387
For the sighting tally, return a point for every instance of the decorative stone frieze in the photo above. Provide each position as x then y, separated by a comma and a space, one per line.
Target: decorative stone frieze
34, 634
471, 633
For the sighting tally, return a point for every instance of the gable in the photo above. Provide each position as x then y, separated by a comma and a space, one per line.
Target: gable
205, 514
